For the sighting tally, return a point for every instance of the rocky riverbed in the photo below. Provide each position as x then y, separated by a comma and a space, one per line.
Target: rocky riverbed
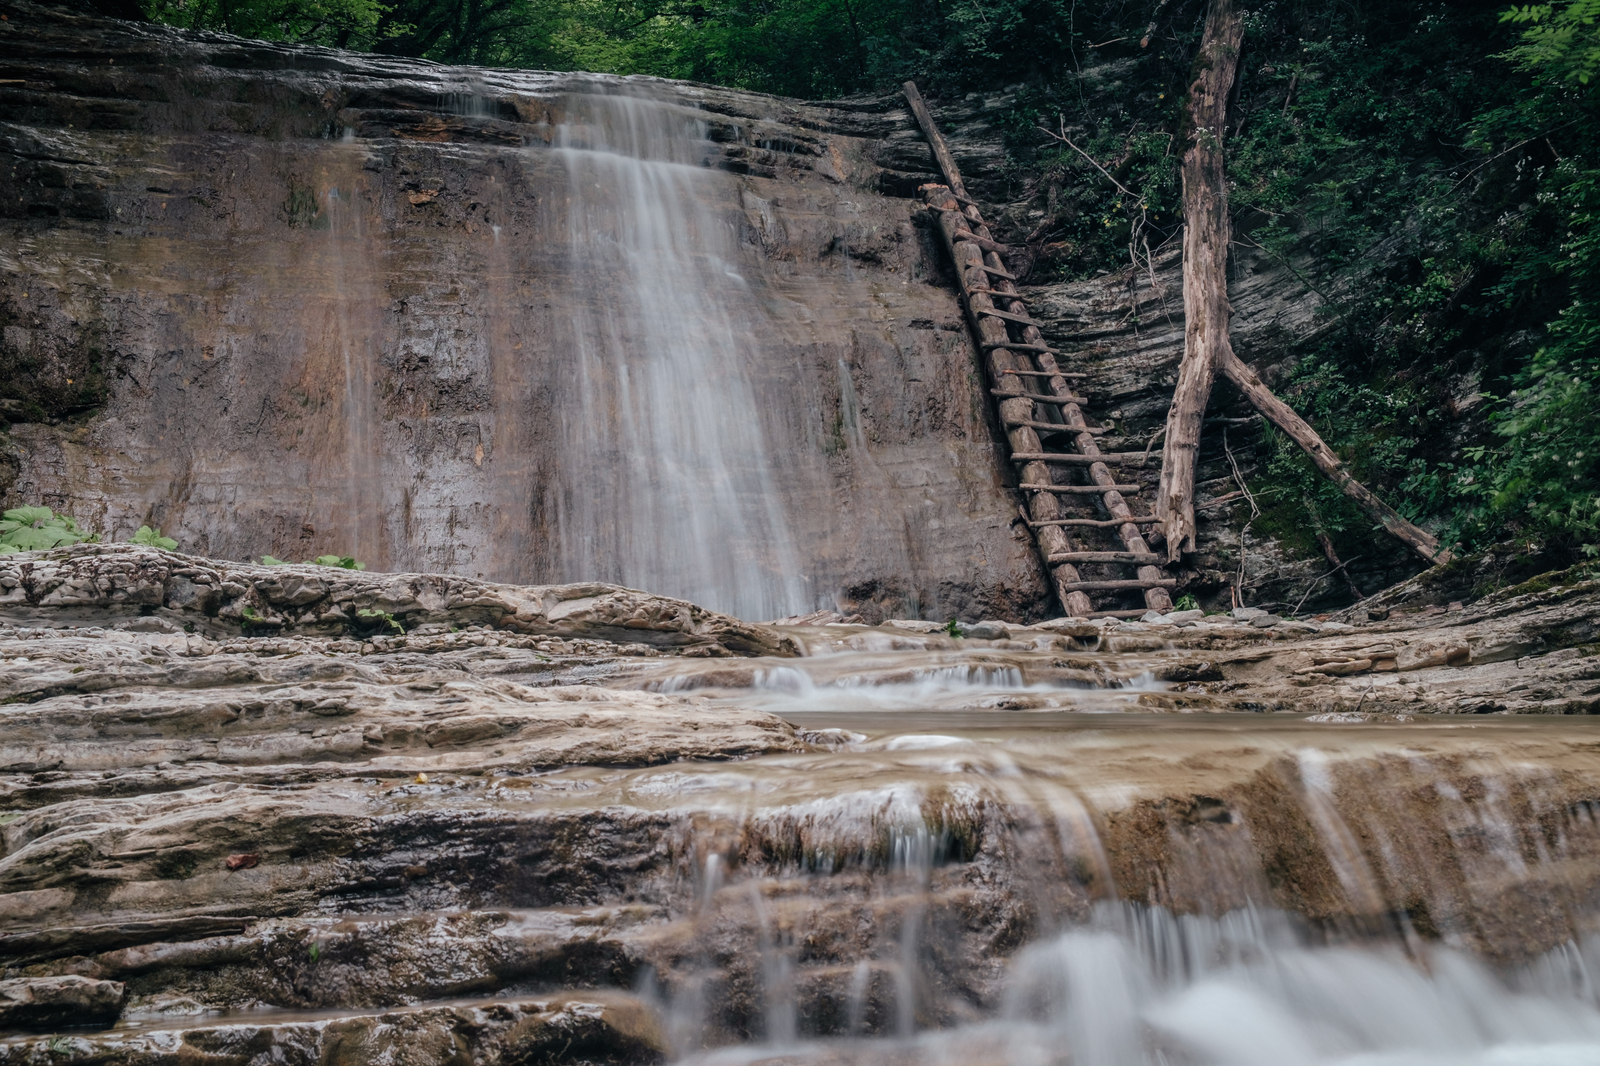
627, 825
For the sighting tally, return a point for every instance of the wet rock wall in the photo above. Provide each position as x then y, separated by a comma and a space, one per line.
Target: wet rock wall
286, 301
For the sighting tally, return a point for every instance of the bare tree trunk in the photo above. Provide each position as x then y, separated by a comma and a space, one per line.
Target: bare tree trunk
1205, 272
1298, 430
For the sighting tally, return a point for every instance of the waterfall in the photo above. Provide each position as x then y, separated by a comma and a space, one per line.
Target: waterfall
667, 471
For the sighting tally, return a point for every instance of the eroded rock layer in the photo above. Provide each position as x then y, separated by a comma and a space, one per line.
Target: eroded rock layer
636, 851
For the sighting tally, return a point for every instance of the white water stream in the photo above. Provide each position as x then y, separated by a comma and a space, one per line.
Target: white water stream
1142, 987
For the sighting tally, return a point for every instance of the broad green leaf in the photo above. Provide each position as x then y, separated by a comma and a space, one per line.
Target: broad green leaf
28, 516
153, 538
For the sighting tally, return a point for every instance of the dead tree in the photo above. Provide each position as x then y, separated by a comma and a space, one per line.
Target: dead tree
1205, 272
1207, 349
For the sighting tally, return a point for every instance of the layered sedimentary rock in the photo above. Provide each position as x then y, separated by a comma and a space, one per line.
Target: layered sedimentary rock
491, 806
288, 301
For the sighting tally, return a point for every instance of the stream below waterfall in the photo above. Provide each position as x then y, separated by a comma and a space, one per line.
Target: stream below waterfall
997, 855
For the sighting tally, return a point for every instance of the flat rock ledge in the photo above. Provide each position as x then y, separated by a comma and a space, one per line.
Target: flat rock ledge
101, 584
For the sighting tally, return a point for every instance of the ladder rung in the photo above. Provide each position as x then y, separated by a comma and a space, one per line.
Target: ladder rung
1042, 373
1136, 558
1056, 427
1022, 320
997, 292
1018, 346
1038, 397
1097, 523
1079, 490
983, 242
1081, 460
1108, 586
997, 272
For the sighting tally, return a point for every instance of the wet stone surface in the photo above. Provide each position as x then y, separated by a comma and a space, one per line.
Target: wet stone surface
645, 850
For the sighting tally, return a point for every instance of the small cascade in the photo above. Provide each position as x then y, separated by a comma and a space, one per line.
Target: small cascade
1019, 897
671, 470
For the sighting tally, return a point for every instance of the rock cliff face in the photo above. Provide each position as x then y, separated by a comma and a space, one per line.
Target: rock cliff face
279, 300
293, 300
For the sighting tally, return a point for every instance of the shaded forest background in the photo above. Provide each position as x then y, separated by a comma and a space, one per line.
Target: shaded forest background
1431, 170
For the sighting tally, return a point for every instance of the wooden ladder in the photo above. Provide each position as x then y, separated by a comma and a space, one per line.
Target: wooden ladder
1024, 376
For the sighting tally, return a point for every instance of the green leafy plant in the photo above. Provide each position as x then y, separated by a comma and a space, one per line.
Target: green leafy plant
1561, 39
953, 628
343, 562
152, 538
1186, 602
24, 529
380, 620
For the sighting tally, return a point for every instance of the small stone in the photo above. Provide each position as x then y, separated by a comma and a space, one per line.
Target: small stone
985, 630
1246, 614
1265, 620
1181, 617
1156, 618
149, 625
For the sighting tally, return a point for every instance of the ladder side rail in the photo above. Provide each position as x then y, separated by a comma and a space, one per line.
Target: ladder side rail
1041, 506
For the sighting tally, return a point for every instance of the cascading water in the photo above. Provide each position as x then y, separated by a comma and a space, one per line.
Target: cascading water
1136, 984
657, 406
1377, 899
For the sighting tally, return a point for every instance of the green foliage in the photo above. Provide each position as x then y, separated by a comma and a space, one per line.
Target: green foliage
344, 23
152, 538
1543, 475
1186, 602
1444, 207
1561, 41
25, 529
804, 48
953, 628
343, 562
380, 620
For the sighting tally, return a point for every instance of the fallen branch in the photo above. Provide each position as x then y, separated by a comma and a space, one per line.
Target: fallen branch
1298, 430
1318, 580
